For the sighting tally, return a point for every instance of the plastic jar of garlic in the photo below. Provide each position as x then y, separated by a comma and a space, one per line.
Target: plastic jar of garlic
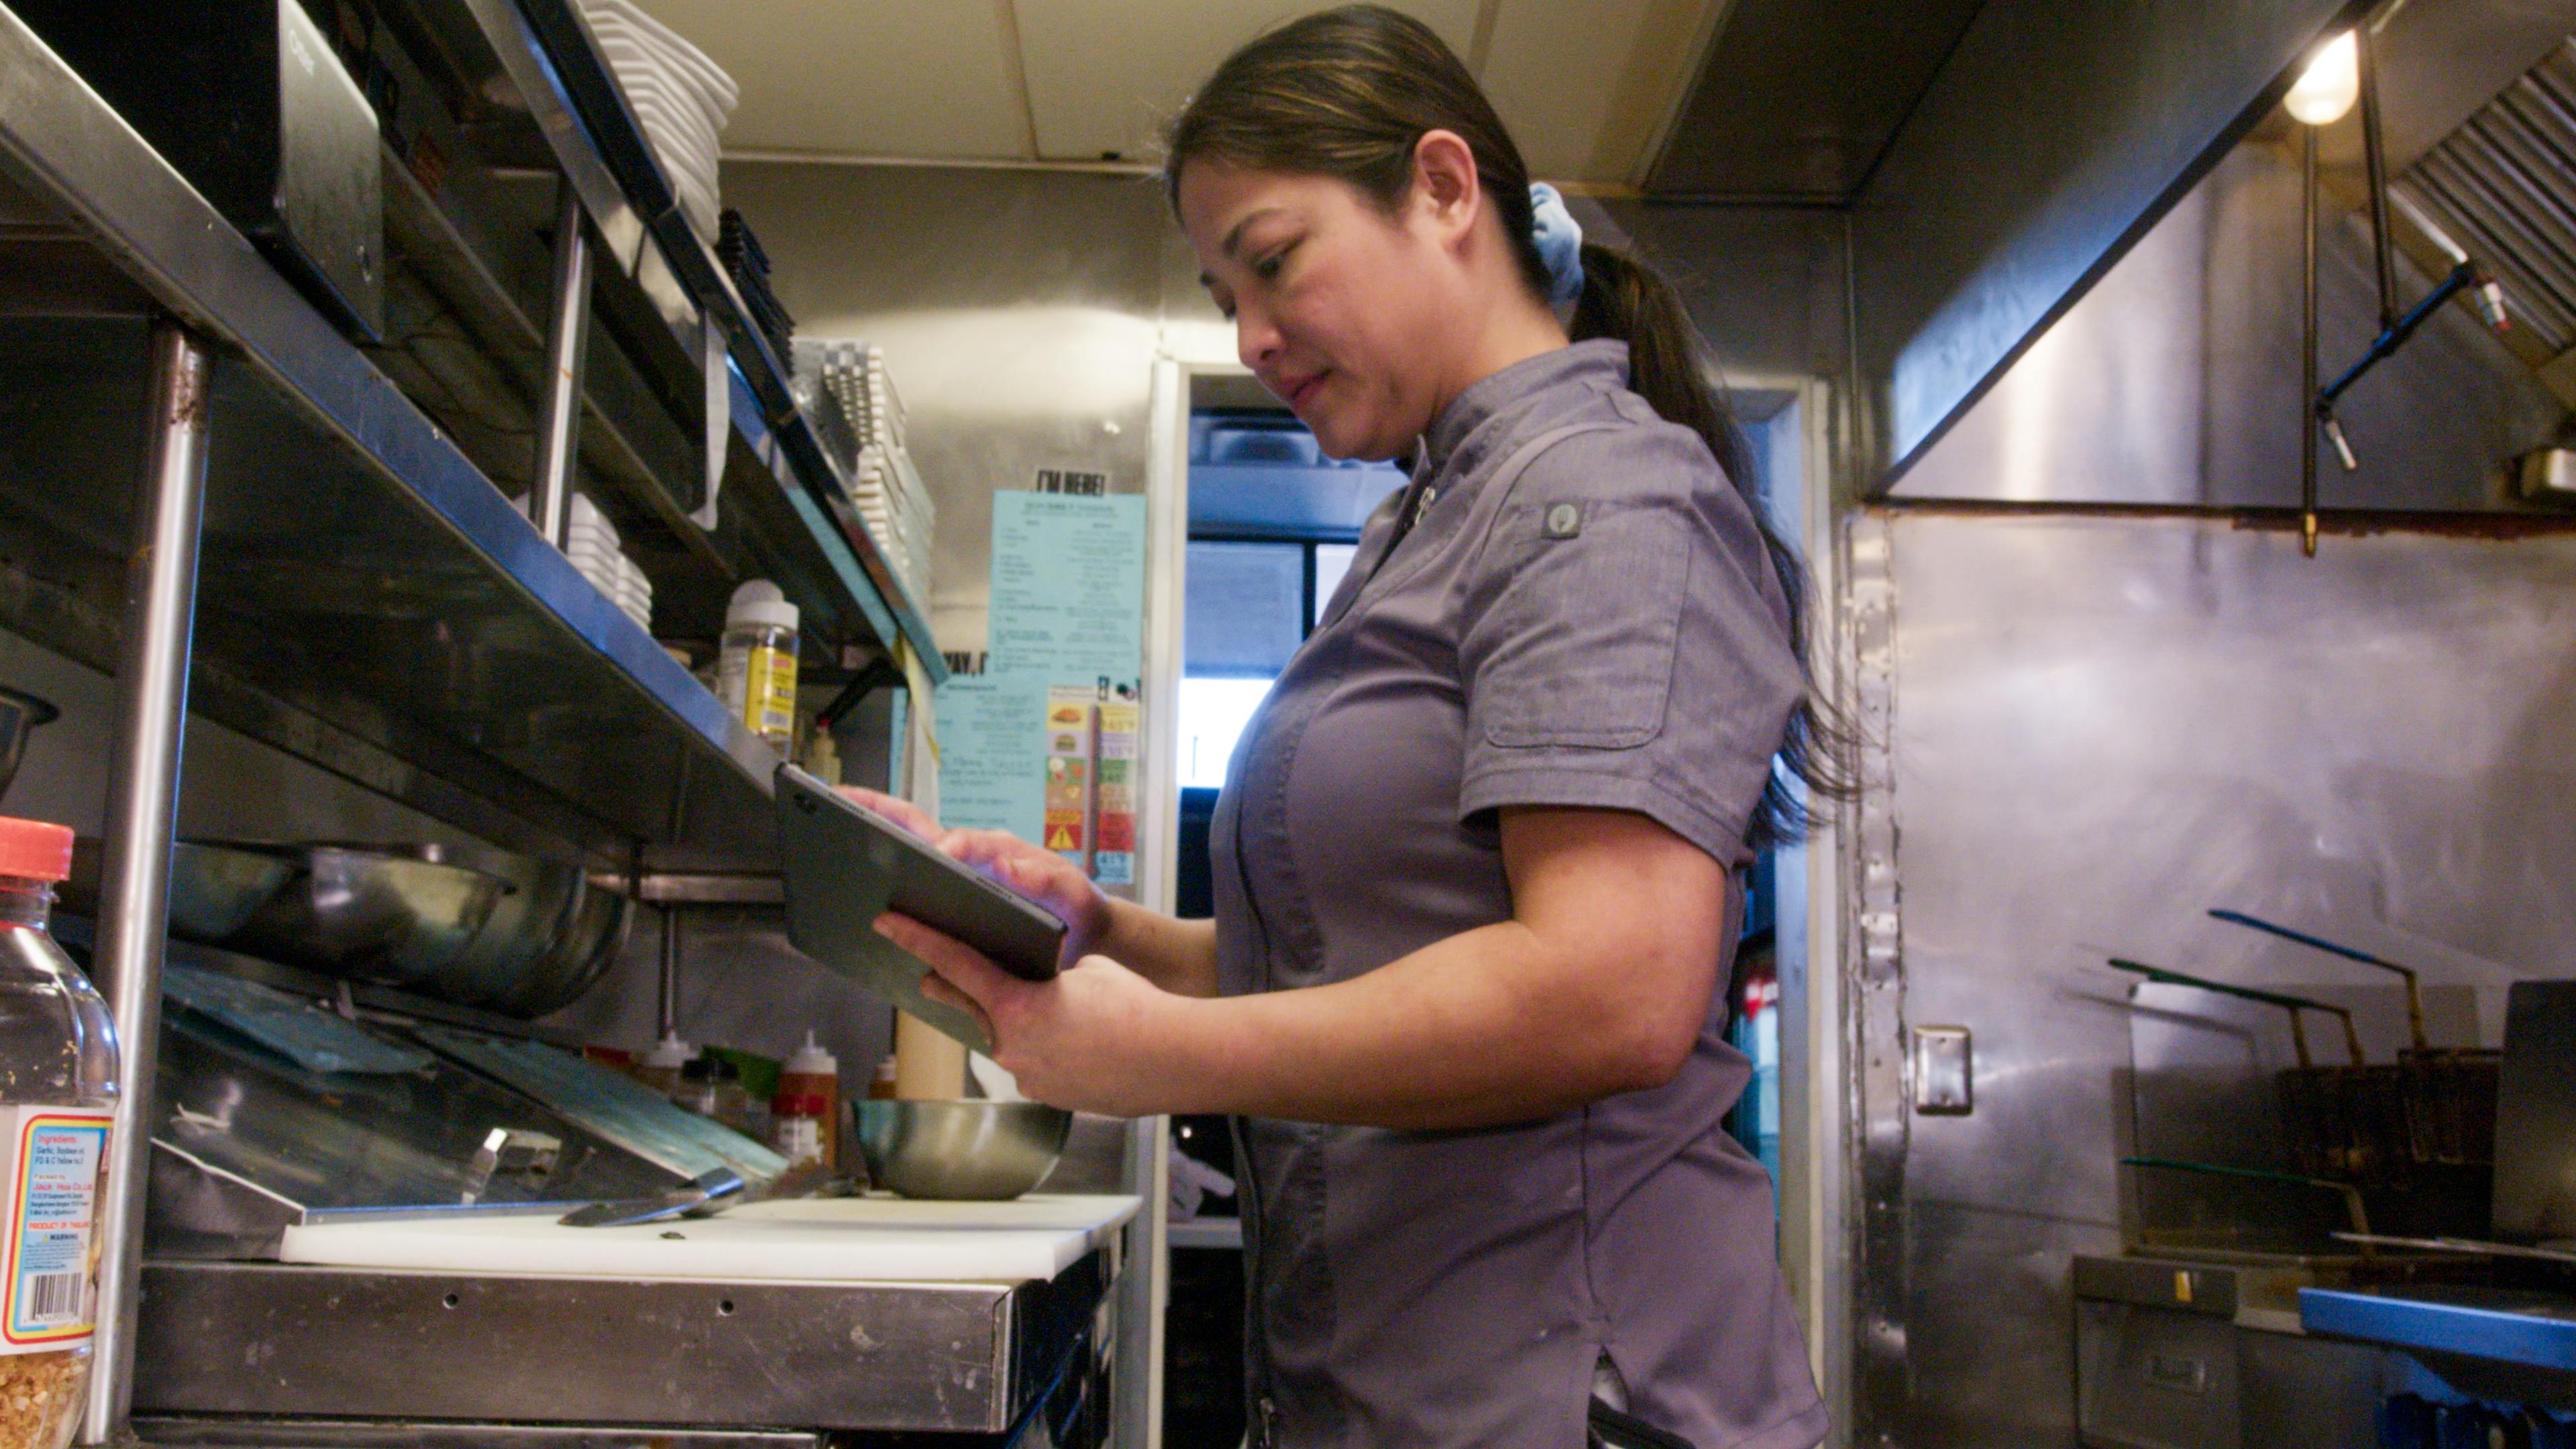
57, 1094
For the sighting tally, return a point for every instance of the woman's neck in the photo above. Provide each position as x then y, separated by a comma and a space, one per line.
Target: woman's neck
1515, 334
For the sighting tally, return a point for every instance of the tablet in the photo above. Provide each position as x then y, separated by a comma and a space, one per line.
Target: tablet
845, 865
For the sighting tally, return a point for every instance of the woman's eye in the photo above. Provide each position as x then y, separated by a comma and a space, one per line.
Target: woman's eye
1269, 267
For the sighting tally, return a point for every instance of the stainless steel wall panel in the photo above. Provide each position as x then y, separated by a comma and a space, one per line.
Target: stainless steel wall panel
1020, 314
2057, 131
2102, 725
1764, 284
2174, 381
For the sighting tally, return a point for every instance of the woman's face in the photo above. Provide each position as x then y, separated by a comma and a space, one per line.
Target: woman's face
1336, 305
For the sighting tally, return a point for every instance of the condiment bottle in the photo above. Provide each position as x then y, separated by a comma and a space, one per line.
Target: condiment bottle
661, 1066
712, 1088
57, 1100
881, 1083
808, 1107
756, 667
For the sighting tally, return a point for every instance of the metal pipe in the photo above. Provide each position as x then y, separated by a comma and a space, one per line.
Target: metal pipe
142, 811
567, 343
2351, 1195
666, 1001
2375, 154
2414, 984
2462, 278
2308, 337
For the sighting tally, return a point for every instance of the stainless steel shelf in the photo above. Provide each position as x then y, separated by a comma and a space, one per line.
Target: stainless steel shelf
367, 598
596, 131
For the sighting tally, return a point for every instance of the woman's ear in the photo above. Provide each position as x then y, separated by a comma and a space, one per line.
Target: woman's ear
1446, 189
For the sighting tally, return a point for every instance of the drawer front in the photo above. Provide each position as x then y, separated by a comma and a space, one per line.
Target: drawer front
2154, 1378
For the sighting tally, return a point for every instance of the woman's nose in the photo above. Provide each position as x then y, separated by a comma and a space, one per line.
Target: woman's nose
1256, 339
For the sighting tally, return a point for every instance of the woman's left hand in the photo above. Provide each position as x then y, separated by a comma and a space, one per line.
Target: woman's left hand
1084, 1041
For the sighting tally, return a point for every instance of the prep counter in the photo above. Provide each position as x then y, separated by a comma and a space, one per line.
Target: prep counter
861, 1315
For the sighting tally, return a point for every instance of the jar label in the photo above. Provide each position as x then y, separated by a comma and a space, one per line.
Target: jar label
56, 1160
769, 700
798, 1139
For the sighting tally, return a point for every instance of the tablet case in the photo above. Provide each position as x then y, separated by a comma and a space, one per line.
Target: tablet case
840, 875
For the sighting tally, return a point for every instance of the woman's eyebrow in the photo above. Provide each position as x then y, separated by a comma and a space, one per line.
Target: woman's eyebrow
1234, 238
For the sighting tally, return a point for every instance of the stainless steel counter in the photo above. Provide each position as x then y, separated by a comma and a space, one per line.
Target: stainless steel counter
289, 1342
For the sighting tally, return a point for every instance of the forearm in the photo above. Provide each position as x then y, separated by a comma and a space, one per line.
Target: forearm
1178, 956
1486, 1027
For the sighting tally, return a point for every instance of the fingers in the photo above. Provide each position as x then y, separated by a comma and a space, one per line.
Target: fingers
902, 812
953, 961
936, 989
1018, 864
980, 847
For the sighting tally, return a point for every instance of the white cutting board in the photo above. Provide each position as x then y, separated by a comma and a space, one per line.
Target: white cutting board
821, 1240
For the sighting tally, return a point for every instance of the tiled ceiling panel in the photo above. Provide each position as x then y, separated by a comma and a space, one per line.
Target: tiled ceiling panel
1103, 75
1587, 89
913, 78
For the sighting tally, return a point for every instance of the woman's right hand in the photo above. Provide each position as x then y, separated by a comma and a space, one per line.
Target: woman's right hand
1032, 870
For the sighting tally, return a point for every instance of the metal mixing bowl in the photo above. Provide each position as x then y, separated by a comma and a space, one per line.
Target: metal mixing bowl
984, 1151
372, 914
579, 945
213, 888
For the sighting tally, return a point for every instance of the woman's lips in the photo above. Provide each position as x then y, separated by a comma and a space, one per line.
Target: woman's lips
1300, 393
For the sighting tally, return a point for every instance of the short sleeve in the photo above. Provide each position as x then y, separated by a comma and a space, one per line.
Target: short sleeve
1625, 644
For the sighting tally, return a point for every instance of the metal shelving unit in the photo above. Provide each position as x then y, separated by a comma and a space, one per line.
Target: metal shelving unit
206, 489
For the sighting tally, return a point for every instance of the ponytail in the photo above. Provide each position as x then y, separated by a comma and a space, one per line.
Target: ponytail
1624, 299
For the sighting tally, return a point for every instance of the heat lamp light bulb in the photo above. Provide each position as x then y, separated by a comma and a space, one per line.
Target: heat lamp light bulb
2330, 85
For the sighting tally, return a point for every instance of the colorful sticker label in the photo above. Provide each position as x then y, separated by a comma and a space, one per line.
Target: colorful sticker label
769, 701
1113, 828
56, 1168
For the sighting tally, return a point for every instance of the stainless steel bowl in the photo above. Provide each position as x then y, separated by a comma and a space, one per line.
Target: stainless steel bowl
20, 714
478, 927
984, 1151
213, 888
372, 914
576, 947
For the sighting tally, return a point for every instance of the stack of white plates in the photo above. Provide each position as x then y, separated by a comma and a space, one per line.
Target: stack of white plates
682, 98
886, 491
888, 494
590, 541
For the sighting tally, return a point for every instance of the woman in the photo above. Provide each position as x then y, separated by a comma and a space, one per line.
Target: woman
1478, 864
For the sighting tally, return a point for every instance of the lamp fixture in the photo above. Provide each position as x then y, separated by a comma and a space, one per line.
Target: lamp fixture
2331, 83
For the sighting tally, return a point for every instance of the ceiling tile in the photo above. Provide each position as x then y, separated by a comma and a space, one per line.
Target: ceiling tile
1104, 75
913, 78
1588, 89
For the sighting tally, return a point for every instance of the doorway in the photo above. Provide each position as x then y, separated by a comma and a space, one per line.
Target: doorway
1794, 1121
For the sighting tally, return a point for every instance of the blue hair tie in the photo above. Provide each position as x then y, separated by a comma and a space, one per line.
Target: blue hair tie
1559, 239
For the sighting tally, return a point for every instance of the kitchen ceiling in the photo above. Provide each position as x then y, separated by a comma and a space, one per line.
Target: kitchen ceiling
1589, 89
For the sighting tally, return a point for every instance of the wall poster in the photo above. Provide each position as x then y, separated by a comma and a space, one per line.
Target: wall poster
1044, 742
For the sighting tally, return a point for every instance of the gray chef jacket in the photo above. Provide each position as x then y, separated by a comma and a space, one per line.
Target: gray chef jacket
1578, 612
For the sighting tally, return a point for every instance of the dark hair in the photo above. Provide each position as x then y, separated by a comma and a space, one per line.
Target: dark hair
1348, 93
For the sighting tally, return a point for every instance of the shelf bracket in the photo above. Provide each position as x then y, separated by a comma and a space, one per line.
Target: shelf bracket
879, 674
142, 814
718, 429
567, 347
